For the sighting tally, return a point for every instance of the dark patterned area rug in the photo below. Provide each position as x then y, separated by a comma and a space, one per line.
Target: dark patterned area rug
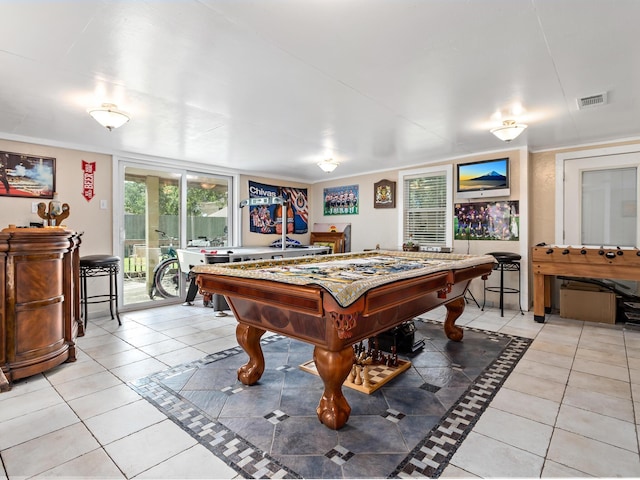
411, 426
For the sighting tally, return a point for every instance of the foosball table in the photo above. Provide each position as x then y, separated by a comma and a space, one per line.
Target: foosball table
590, 262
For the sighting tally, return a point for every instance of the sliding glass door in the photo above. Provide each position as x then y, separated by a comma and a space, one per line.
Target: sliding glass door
207, 210
165, 209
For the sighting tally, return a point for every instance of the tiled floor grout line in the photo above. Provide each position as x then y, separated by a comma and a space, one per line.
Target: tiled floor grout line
556, 427
129, 385
561, 402
582, 335
484, 385
633, 403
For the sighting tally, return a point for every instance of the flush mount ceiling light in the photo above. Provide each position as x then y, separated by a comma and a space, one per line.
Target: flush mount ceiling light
109, 116
328, 165
508, 130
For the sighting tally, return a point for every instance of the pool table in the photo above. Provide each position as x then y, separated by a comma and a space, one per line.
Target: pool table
335, 301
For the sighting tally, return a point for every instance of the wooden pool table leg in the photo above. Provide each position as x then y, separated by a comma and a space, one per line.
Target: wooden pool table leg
454, 310
249, 339
333, 367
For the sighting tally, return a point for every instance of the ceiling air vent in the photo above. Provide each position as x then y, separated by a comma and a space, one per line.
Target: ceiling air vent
592, 101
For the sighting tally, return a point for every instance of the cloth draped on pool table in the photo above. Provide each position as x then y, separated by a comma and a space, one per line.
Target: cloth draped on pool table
347, 276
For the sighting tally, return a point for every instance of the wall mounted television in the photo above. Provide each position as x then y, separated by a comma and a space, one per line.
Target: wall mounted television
483, 179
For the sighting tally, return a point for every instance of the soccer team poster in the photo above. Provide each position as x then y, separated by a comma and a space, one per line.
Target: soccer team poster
341, 200
487, 221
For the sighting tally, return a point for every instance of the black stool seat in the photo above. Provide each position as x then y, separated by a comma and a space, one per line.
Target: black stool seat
506, 262
100, 266
505, 256
99, 260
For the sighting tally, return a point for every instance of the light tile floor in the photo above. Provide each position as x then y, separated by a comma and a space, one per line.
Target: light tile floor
570, 408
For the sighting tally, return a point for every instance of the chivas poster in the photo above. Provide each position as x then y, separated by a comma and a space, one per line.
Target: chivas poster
267, 219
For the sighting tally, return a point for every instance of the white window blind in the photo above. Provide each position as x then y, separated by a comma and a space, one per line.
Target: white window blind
425, 203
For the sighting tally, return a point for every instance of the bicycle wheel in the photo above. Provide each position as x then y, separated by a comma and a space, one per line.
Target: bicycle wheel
167, 278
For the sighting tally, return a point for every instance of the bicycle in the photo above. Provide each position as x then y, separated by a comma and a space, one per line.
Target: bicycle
166, 275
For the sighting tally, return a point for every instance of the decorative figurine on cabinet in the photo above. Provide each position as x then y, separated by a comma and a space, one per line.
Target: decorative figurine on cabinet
57, 211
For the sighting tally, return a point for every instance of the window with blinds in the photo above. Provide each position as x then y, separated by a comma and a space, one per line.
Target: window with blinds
426, 206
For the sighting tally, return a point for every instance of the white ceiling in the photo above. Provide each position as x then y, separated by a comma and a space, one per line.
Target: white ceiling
272, 87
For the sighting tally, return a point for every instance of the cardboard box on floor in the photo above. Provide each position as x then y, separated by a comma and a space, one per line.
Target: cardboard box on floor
583, 301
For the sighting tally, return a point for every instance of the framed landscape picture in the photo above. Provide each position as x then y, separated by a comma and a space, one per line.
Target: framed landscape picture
24, 175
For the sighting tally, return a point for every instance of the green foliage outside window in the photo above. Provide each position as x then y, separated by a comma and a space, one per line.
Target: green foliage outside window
135, 199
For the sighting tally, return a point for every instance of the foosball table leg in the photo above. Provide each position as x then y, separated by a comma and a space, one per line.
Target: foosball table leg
541, 296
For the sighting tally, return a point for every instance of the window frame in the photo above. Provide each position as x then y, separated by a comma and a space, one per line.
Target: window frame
440, 170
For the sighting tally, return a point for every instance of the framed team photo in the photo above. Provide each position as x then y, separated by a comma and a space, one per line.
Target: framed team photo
341, 200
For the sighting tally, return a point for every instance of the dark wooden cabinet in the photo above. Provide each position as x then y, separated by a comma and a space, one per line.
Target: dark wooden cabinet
40, 307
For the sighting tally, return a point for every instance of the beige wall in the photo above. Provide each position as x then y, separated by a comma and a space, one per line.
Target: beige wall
87, 217
381, 226
542, 196
478, 247
370, 227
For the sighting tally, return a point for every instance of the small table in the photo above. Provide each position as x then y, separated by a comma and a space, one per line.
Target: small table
335, 301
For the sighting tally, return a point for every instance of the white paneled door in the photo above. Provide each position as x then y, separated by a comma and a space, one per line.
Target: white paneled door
600, 200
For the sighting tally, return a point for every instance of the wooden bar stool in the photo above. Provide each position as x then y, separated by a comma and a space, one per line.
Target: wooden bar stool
92, 266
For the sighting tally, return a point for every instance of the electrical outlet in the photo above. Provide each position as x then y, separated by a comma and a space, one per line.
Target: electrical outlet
34, 207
